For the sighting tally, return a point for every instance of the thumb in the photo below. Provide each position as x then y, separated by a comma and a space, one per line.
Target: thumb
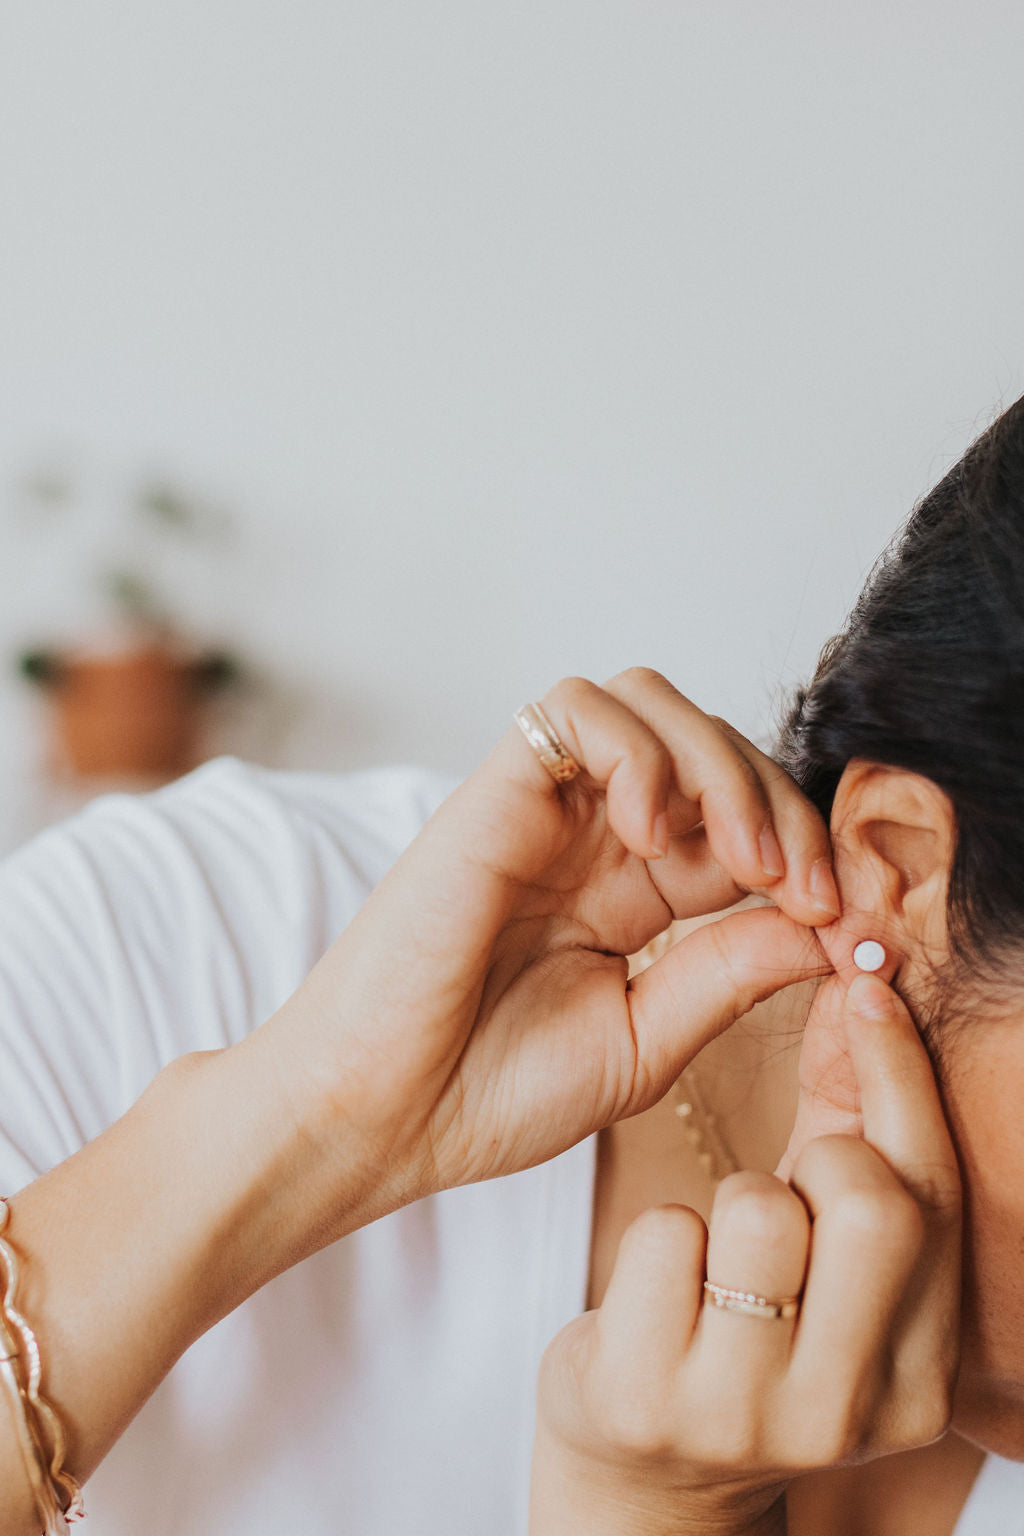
707, 981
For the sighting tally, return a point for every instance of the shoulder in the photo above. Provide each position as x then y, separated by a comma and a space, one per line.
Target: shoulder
230, 827
232, 806
150, 925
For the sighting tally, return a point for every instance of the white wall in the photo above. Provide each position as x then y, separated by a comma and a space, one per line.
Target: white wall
525, 338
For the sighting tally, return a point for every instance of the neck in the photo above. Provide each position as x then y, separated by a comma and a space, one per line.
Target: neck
749, 1079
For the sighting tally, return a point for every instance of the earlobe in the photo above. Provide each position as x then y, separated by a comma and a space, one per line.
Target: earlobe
852, 948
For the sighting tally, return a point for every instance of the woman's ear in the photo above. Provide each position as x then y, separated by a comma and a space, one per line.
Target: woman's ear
894, 837
893, 840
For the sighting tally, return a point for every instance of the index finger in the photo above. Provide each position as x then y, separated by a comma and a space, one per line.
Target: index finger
760, 826
899, 1098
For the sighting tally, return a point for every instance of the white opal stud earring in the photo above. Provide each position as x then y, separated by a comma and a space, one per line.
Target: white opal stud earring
869, 956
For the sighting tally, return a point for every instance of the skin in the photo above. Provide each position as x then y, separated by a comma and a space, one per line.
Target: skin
507, 1034
986, 1080
749, 1077
691, 1419
893, 835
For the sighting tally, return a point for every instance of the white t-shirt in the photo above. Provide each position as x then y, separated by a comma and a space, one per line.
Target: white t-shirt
384, 1387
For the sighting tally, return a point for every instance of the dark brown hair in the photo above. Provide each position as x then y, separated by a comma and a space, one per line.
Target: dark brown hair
928, 675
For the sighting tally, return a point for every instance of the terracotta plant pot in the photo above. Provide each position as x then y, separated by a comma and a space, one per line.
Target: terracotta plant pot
135, 714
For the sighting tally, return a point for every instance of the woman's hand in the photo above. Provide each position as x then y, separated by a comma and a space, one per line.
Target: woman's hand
660, 1413
476, 1018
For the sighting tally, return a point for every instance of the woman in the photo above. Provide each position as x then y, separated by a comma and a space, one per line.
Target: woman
474, 1020
910, 740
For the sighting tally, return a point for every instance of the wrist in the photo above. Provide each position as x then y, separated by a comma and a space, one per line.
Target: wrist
595, 1497
290, 1180
156, 1229
316, 1164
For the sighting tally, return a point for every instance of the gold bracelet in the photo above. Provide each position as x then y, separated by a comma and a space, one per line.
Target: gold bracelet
32, 1454
33, 1415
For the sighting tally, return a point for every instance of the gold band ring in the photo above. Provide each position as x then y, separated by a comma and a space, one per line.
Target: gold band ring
546, 742
751, 1304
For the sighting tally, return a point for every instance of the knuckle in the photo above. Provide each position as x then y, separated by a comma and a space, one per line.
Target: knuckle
567, 702
741, 1447
640, 677
927, 1421
735, 761
632, 1420
924, 1404
839, 1427
668, 1226
939, 1189
739, 744
880, 1213
748, 776
831, 1443
566, 1357
650, 756
824, 1158
758, 1204
729, 1433
844, 1160
570, 691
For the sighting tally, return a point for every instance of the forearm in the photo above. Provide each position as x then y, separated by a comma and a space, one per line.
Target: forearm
131, 1249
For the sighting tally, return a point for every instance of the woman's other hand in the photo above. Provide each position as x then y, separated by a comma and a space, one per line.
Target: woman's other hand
661, 1413
475, 1018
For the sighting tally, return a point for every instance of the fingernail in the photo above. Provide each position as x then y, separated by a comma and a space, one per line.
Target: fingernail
823, 888
659, 836
772, 862
869, 996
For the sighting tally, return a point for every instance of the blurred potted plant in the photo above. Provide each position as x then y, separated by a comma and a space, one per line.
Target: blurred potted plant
129, 704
